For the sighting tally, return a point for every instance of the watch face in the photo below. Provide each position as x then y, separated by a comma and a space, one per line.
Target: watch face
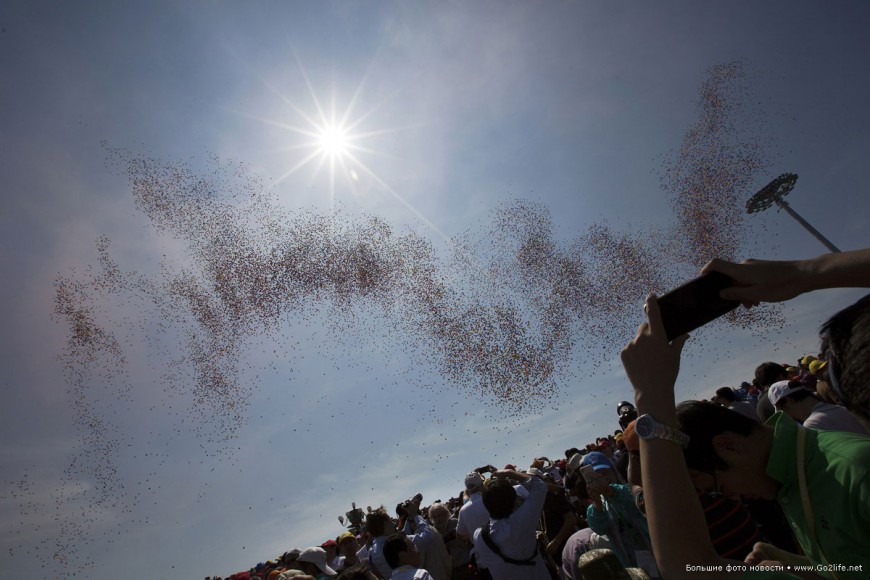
644, 427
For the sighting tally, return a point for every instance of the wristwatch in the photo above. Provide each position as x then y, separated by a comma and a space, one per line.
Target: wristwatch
648, 428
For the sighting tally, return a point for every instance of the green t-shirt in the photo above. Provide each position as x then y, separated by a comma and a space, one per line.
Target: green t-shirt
838, 482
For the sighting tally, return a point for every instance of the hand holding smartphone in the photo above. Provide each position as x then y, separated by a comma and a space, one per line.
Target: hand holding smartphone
596, 484
695, 303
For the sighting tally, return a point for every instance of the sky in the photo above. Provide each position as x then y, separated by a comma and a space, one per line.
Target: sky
452, 113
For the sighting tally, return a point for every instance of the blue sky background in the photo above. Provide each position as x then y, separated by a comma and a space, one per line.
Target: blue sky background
464, 107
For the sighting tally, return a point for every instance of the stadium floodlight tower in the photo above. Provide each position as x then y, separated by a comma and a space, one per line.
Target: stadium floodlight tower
773, 193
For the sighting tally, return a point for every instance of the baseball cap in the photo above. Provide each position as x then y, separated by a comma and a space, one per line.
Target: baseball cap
317, 556
783, 389
345, 536
473, 480
574, 462
597, 460
817, 365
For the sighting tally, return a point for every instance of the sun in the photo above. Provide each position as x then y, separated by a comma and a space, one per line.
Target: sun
334, 141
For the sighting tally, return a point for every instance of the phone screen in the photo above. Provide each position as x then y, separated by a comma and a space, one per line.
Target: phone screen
588, 473
695, 303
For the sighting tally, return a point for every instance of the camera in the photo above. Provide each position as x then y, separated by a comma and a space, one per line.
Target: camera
402, 508
627, 413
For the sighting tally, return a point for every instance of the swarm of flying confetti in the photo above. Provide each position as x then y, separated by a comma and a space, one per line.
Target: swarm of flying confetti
717, 163
710, 176
507, 319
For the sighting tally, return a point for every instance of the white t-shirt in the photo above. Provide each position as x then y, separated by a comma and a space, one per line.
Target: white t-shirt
472, 515
828, 417
515, 537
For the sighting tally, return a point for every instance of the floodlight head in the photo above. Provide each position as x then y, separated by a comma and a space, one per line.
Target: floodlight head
771, 193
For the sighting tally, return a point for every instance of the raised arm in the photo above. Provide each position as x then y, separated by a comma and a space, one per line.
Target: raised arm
775, 281
676, 521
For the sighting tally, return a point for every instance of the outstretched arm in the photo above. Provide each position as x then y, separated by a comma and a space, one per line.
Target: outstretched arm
776, 281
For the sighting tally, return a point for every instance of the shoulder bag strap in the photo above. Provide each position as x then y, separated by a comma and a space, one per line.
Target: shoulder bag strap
530, 561
805, 496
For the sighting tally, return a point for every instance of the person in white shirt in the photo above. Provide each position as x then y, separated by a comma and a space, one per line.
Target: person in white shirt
803, 406
473, 513
404, 559
507, 546
380, 526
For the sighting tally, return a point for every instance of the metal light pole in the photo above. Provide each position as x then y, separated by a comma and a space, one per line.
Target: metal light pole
773, 193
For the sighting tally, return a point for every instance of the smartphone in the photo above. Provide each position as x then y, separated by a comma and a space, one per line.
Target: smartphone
588, 473
695, 303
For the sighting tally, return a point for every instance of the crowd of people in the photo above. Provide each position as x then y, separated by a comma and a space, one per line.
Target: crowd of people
769, 479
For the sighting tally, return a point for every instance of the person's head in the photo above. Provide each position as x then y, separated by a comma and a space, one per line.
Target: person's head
378, 522
499, 498
597, 460
627, 413
576, 486
727, 451
793, 398
768, 373
473, 483
725, 396
289, 558
817, 368
331, 549
399, 551
620, 444
602, 465
624, 407
313, 561
347, 544
439, 515
359, 571
570, 452
846, 347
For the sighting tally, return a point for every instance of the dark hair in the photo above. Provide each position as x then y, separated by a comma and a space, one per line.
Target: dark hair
768, 373
376, 521
800, 395
394, 545
575, 483
570, 452
726, 393
356, 572
499, 497
847, 344
702, 421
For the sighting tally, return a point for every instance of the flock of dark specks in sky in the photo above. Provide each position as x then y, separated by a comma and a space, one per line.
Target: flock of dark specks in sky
514, 313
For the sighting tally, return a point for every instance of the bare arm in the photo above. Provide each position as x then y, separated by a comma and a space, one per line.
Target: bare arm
676, 522
776, 281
